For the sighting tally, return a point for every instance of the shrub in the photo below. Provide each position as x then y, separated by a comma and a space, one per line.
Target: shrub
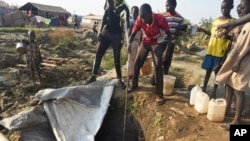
63, 37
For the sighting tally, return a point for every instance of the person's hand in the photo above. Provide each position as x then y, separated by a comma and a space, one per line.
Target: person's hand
236, 66
99, 36
223, 30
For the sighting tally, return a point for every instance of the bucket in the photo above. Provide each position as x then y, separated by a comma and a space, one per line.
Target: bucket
201, 102
216, 109
146, 68
21, 48
168, 84
193, 93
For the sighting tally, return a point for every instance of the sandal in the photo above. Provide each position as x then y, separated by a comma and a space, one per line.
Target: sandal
159, 101
225, 126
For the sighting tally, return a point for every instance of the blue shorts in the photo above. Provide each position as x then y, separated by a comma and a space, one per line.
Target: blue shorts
210, 62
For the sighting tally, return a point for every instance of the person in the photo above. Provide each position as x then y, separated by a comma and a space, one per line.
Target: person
111, 33
135, 43
154, 27
94, 27
75, 22
33, 56
217, 46
175, 20
234, 35
238, 69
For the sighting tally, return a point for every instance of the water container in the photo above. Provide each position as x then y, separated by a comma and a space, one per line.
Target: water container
193, 93
146, 68
201, 102
194, 30
216, 109
168, 84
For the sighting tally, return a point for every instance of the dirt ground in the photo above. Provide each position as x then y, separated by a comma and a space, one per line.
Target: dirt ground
176, 120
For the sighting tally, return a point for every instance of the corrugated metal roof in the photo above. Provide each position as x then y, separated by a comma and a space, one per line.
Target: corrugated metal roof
42, 7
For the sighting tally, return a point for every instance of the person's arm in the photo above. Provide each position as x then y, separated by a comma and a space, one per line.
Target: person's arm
237, 22
204, 31
236, 65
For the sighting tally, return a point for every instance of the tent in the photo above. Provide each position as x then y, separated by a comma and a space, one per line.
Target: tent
44, 10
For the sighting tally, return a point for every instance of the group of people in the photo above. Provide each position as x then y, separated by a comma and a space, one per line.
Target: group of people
146, 32
228, 48
227, 53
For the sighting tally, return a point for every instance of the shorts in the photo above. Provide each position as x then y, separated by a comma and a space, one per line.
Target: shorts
210, 62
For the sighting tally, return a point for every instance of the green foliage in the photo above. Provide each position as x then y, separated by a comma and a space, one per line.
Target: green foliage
206, 23
108, 59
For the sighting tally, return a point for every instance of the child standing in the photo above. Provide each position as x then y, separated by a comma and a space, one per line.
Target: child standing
217, 45
33, 56
174, 20
152, 25
237, 65
135, 43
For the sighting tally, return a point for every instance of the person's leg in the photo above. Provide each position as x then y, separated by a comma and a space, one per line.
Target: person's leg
38, 70
117, 45
157, 59
168, 58
240, 102
213, 95
207, 76
102, 46
32, 69
141, 56
229, 92
131, 59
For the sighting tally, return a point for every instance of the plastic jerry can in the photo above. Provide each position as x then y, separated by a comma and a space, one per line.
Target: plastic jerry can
216, 109
193, 93
201, 102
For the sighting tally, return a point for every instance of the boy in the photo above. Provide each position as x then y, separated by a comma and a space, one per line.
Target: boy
237, 64
33, 56
111, 33
175, 21
152, 25
217, 45
135, 43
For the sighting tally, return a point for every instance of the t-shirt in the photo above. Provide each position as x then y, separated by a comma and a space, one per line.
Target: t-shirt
173, 21
154, 31
217, 46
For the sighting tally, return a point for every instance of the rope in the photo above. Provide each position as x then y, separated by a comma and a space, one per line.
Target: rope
125, 110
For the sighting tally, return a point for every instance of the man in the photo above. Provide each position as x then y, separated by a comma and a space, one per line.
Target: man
111, 33
154, 27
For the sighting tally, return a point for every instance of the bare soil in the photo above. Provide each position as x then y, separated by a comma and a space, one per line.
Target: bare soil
176, 120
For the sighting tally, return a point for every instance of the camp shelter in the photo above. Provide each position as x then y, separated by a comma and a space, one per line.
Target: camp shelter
47, 11
91, 18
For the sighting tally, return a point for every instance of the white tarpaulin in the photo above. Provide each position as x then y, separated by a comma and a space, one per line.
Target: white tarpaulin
72, 113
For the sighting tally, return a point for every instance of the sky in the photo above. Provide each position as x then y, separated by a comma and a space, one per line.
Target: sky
193, 10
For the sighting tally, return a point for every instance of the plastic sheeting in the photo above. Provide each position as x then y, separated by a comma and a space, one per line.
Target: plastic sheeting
72, 113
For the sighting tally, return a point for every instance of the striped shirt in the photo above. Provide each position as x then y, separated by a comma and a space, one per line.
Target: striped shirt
173, 21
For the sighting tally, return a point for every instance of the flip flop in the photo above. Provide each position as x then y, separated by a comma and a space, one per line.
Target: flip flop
159, 101
225, 126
